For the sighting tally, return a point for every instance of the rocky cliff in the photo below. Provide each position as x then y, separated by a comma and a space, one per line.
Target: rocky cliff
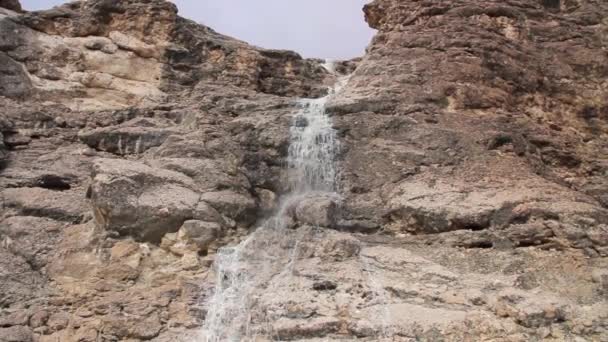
473, 173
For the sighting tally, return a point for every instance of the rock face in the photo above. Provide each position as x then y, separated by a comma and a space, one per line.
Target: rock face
483, 120
12, 5
473, 172
95, 55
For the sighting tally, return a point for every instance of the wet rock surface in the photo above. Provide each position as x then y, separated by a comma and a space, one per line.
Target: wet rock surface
473, 175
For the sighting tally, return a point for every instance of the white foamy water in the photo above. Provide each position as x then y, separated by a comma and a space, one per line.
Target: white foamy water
330, 66
312, 149
246, 269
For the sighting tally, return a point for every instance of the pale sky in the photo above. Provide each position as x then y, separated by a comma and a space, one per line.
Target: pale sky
332, 29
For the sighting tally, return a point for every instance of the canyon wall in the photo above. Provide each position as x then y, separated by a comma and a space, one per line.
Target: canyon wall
473, 171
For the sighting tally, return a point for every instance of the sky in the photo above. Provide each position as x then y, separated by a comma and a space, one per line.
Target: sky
332, 29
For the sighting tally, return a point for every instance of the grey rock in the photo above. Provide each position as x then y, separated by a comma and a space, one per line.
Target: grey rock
472, 179
33, 238
325, 285
14, 81
318, 210
3, 150
39, 319
358, 225
16, 334
12, 35
193, 236
15, 318
207, 174
268, 199
134, 199
341, 248
133, 137
12, 5
101, 43
235, 205
58, 321
200, 233
67, 206
19, 282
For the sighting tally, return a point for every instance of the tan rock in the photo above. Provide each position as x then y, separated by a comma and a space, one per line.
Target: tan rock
268, 199
16, 334
15, 318
133, 44
472, 177
318, 209
199, 233
58, 321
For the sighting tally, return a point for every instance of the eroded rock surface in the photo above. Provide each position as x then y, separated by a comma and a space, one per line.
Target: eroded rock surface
473, 115
108, 55
473, 175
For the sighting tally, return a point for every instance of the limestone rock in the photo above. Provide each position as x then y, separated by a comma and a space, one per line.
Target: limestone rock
472, 176
133, 44
306, 328
32, 238
341, 248
16, 334
234, 205
15, 318
135, 199
19, 281
59, 205
107, 64
12, 5
200, 233
39, 319
193, 236
133, 137
3, 150
14, 81
268, 199
207, 174
318, 210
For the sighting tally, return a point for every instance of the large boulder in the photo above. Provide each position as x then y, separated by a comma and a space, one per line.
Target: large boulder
318, 209
131, 198
146, 202
194, 236
235, 205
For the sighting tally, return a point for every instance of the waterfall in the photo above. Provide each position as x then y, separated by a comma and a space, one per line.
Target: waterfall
330, 66
271, 249
312, 148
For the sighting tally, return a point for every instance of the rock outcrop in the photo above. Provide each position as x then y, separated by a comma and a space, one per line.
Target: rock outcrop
481, 119
12, 5
473, 175
94, 55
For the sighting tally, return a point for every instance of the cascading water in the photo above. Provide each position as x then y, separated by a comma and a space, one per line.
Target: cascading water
243, 270
313, 147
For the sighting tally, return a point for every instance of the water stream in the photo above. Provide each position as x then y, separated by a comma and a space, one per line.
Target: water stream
246, 269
